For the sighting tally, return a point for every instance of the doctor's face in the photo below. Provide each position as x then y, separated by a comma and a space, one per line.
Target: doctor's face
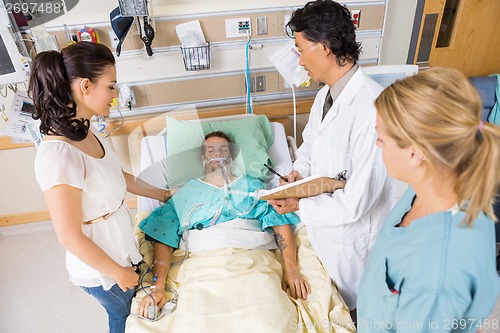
396, 159
312, 57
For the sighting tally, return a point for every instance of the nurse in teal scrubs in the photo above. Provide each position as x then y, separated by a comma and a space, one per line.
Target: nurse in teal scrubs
432, 268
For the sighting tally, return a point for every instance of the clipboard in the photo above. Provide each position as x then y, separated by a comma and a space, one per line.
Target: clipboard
304, 188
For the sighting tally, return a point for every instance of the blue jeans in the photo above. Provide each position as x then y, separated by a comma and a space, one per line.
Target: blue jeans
117, 304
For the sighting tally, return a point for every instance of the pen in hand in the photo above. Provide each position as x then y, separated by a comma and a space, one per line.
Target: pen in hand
275, 172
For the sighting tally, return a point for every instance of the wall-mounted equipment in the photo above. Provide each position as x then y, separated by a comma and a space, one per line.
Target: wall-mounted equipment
195, 49
133, 7
239, 27
120, 25
139, 9
88, 34
148, 36
356, 15
196, 58
262, 25
11, 70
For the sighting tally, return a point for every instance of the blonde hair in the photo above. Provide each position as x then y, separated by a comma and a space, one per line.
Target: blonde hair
439, 111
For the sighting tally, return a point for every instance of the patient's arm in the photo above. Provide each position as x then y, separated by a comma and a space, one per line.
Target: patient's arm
161, 267
299, 287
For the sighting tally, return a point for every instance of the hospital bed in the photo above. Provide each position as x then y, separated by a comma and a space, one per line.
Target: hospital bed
232, 289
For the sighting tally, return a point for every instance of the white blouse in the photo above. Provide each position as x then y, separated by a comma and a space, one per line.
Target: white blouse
103, 191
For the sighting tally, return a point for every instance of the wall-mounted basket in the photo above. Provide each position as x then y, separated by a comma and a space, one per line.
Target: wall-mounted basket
196, 58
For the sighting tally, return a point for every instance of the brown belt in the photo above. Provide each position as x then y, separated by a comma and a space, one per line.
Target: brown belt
101, 218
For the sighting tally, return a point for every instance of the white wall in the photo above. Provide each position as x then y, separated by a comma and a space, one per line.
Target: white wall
397, 31
20, 192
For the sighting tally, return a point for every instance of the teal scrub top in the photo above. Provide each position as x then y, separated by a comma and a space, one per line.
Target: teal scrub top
164, 223
436, 275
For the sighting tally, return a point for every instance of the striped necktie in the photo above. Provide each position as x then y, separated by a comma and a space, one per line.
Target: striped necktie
327, 105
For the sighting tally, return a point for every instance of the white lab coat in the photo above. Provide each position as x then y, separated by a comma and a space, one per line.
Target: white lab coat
342, 226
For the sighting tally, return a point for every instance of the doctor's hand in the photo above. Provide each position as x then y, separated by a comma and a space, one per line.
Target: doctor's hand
284, 206
160, 298
292, 177
296, 283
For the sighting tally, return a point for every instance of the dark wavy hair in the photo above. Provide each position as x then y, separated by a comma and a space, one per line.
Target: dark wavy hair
329, 23
233, 149
50, 86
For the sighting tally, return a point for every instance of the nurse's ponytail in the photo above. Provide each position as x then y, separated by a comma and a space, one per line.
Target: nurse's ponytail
439, 111
50, 86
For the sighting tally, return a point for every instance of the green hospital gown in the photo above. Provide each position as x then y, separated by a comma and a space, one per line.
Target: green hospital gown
164, 223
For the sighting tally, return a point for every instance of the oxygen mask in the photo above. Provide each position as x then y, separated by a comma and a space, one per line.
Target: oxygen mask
218, 161
218, 154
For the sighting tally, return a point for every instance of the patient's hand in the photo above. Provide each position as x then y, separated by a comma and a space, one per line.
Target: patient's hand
284, 206
160, 298
295, 282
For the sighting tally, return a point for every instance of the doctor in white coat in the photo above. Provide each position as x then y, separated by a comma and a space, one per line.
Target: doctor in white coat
341, 136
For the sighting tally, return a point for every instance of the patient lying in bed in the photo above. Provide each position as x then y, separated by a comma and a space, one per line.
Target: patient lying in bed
232, 279
164, 225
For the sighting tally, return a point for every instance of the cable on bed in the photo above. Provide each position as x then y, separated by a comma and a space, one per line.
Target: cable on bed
170, 305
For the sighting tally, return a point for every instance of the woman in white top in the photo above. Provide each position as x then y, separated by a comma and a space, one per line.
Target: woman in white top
83, 183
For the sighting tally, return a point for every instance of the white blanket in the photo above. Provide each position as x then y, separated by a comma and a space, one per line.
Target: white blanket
238, 290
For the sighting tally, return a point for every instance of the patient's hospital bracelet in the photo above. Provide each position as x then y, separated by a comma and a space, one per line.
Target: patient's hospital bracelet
167, 196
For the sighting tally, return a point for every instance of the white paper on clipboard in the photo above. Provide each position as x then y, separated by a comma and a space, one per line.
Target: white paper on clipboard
286, 61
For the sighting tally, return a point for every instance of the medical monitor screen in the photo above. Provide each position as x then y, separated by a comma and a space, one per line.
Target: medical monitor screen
6, 65
10, 59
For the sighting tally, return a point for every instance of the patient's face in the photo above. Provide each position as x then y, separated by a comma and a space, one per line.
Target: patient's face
215, 147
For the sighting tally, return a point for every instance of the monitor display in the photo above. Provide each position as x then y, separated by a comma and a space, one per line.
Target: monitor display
10, 59
6, 66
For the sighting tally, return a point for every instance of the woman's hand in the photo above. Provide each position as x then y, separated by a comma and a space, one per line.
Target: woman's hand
160, 298
128, 278
295, 282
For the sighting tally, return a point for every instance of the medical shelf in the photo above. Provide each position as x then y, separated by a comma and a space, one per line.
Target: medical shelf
196, 58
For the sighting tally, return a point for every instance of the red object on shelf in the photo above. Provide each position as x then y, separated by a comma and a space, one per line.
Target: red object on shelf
88, 34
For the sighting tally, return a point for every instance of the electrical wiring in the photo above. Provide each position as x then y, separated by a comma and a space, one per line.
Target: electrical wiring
122, 119
169, 306
141, 283
6, 92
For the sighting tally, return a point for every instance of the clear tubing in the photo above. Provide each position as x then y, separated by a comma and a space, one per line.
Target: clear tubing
223, 162
227, 196
185, 231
